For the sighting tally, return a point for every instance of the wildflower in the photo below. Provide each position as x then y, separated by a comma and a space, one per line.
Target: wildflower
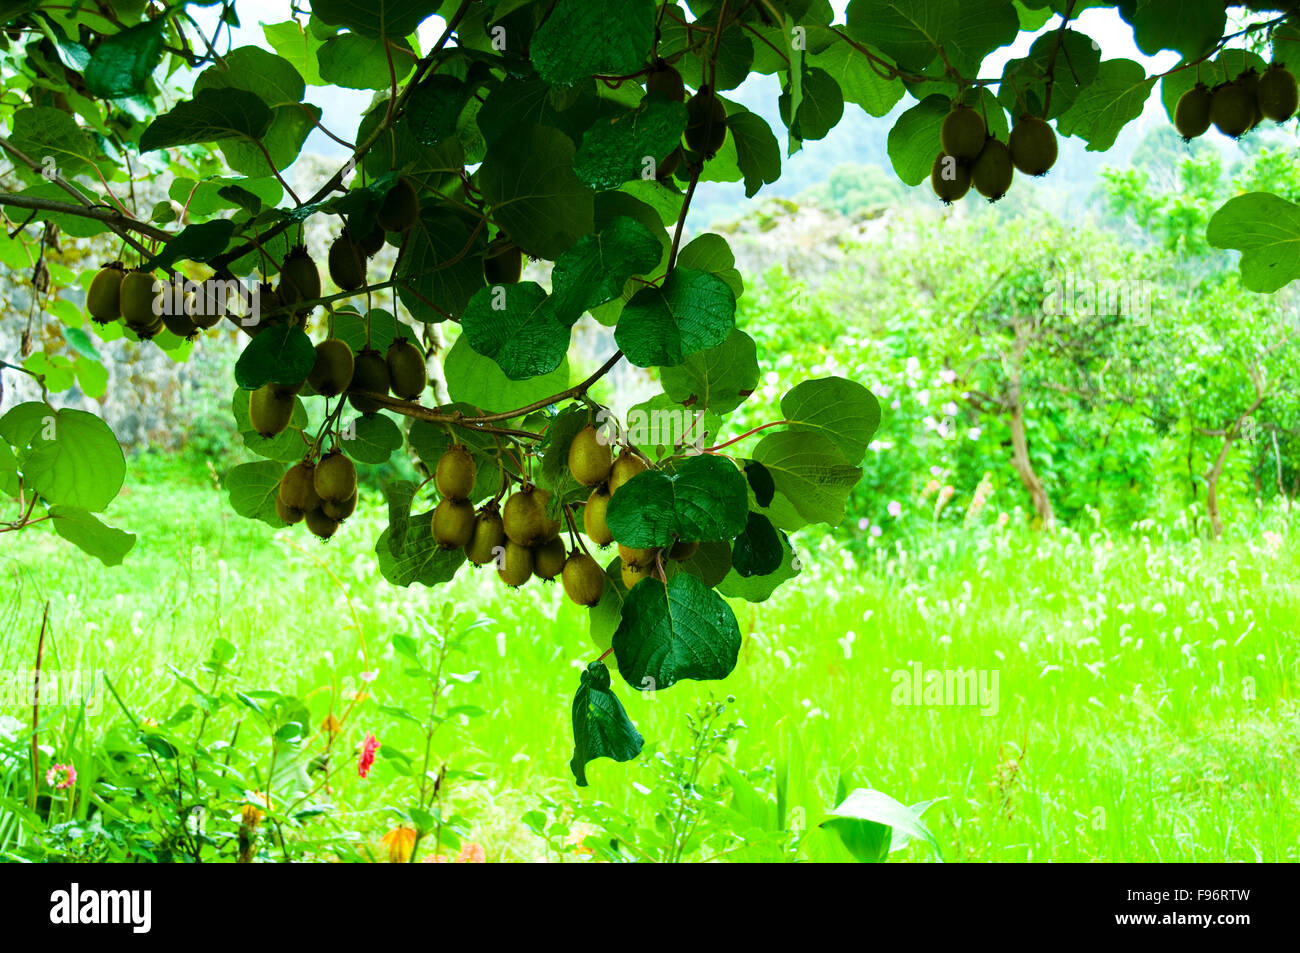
331, 725
472, 854
863, 523
399, 842
367, 755
895, 508
369, 676
61, 776
946, 493
1003, 520
876, 531
931, 487
1273, 539
947, 375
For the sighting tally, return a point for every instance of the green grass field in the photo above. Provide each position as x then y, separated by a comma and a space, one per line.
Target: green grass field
1146, 706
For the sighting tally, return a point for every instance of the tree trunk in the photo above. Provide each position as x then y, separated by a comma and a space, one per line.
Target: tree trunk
1212, 488
1025, 469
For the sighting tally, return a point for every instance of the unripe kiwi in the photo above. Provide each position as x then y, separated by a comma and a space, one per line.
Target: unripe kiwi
289, 514
949, 178
583, 579
548, 558
525, 519
683, 550
1033, 146
504, 267
516, 564
453, 523
590, 457
668, 165
407, 373
634, 574
176, 314
456, 473
138, 299
299, 278
269, 306
992, 170
332, 372
635, 556
269, 410
1232, 109
963, 133
401, 207
336, 478
1192, 114
1249, 81
369, 373
625, 468
298, 487
706, 122
489, 536
339, 511
319, 524
372, 242
666, 81
1277, 94
593, 517
104, 299
203, 316
347, 263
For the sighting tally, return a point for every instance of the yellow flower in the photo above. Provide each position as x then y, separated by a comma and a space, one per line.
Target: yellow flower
399, 842
331, 725
251, 814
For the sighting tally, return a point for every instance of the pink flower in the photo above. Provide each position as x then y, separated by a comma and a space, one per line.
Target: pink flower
472, 854
367, 755
61, 776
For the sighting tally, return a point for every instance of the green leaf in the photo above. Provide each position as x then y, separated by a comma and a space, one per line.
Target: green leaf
371, 439
354, 61
758, 154
760, 588
601, 728
537, 200
212, 115
253, 487
1108, 104
1071, 58
662, 326
518, 327
711, 563
705, 499
718, 378
629, 145
595, 269
201, 242
439, 268
758, 550
912, 31
819, 110
871, 824
1192, 27
85, 531
398, 494
858, 79
68, 456
297, 46
710, 252
811, 471
281, 354
1265, 228
842, 410
435, 107
675, 631
582, 38
286, 446
395, 18
422, 560
121, 63
914, 141
42, 131
478, 380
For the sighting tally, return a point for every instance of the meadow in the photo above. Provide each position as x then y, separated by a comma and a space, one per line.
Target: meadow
1145, 705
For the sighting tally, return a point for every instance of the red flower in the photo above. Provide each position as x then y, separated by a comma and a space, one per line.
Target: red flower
61, 776
367, 755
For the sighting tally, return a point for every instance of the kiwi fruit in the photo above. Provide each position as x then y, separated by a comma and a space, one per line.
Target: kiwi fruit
1192, 113
347, 263
407, 373
332, 372
298, 487
665, 81
548, 558
289, 514
339, 511
1033, 146
963, 133
489, 536
269, 410
590, 457
1232, 109
401, 207
1249, 81
516, 566
668, 165
1277, 94
336, 478
453, 523
319, 524
634, 574
138, 298
636, 556
625, 468
525, 519
104, 299
583, 579
372, 242
299, 278
504, 267
203, 316
369, 373
456, 473
683, 550
706, 122
177, 308
593, 517
992, 171
269, 305
949, 178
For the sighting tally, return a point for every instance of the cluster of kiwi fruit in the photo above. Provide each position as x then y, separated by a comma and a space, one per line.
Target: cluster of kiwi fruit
349, 252
969, 156
706, 117
321, 494
1239, 105
142, 302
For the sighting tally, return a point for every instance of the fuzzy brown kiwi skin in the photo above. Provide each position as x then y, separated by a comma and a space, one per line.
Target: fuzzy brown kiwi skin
1033, 146
625, 468
104, 299
269, 410
1192, 113
347, 263
992, 171
319, 524
949, 179
706, 122
408, 375
963, 133
299, 278
336, 478
298, 487
583, 579
332, 372
683, 550
1232, 109
1277, 94
453, 523
456, 473
340, 510
489, 536
203, 317
665, 81
504, 267
593, 517
635, 556
548, 559
372, 242
590, 457
369, 373
525, 517
139, 298
634, 574
289, 514
401, 207
516, 566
